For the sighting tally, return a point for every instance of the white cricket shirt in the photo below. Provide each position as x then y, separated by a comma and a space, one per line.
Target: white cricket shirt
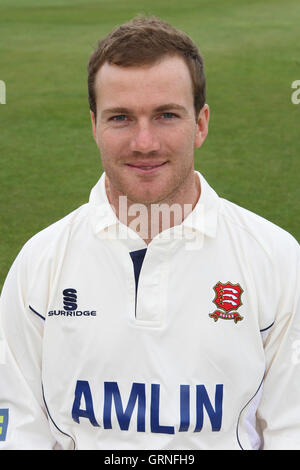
202, 353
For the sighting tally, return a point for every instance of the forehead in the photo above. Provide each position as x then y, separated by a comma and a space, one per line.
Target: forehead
168, 80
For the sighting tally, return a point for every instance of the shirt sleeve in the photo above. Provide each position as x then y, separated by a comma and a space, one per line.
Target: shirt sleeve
23, 418
279, 410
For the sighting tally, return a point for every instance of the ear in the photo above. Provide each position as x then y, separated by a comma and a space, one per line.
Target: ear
93, 119
202, 126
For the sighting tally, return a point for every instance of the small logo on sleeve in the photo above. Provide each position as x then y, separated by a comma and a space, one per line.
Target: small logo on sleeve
3, 423
70, 306
228, 300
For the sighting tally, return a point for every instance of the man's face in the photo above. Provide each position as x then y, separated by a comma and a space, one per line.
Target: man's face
146, 129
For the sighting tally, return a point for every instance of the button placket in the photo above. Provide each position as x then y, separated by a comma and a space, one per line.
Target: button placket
152, 289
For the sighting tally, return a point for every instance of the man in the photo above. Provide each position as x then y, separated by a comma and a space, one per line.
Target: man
158, 315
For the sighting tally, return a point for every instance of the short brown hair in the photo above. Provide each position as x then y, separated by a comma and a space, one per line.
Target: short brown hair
143, 41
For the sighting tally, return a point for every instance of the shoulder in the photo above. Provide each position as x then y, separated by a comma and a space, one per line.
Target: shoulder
269, 256
52, 241
256, 231
37, 263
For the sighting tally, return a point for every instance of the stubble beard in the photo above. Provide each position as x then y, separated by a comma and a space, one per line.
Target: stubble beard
175, 193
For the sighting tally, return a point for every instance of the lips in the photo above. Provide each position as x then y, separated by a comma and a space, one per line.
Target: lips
146, 167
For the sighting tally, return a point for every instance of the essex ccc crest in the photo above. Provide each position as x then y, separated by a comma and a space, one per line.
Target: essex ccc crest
228, 300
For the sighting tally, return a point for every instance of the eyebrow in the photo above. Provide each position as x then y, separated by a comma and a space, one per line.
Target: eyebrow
167, 106
159, 109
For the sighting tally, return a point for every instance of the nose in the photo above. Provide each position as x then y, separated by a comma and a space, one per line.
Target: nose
144, 138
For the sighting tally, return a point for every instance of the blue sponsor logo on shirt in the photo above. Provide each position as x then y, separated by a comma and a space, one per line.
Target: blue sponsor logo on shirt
83, 407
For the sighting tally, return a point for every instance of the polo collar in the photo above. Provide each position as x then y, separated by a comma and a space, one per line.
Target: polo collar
203, 218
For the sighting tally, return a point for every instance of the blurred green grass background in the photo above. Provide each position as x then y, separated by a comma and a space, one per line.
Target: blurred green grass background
49, 161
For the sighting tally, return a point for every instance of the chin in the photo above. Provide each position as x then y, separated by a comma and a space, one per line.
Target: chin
142, 195
145, 199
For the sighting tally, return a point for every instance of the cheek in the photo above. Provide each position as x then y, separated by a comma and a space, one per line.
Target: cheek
110, 146
182, 143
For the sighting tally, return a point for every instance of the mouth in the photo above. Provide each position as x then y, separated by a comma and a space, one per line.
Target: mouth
146, 167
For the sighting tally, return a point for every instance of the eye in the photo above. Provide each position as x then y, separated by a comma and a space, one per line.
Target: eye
118, 118
168, 115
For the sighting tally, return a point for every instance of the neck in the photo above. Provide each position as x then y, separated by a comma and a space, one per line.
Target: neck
148, 220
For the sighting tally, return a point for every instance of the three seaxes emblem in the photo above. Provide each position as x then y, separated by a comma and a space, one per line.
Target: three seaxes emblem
228, 300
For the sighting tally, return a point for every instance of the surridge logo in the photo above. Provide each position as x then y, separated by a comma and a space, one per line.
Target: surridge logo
70, 305
70, 299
